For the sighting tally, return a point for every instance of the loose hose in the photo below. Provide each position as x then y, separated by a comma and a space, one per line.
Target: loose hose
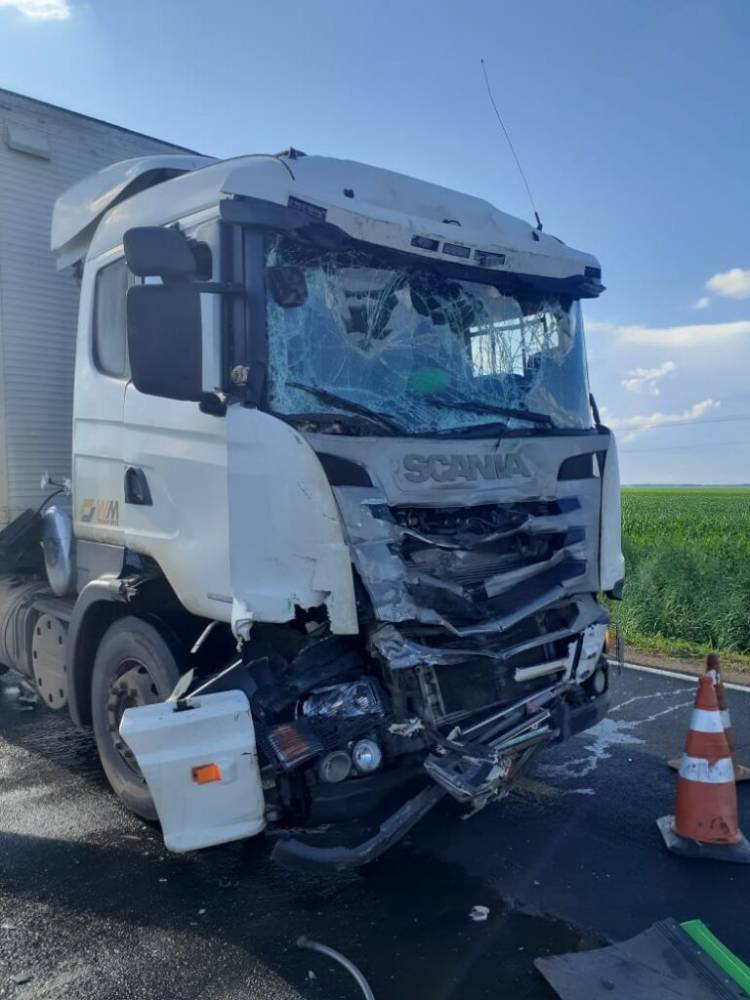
303, 942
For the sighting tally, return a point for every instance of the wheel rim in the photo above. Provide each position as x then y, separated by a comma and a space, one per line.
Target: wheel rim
131, 687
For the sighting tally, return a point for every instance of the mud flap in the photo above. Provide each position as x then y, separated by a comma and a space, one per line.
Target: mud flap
663, 961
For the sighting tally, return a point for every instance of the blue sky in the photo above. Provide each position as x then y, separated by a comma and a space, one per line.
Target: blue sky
630, 120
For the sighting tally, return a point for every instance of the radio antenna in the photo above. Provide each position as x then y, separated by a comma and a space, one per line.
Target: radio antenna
515, 156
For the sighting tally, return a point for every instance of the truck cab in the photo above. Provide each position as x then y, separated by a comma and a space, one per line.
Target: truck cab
334, 453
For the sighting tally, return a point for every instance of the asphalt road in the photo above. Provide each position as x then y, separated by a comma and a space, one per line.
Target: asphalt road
92, 906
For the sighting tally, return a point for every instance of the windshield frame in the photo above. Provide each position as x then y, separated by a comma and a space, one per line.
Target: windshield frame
326, 238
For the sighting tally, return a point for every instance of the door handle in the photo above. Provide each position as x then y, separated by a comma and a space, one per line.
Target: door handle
136, 487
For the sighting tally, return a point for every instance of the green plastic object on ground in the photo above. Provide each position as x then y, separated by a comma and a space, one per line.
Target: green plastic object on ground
718, 952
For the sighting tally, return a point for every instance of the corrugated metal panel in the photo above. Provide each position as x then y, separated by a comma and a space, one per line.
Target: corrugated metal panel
54, 148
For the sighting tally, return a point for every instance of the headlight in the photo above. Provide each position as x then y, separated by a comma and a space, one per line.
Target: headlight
335, 766
347, 700
367, 756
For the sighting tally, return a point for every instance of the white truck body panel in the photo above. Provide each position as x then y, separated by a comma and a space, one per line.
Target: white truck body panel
181, 452
43, 150
272, 540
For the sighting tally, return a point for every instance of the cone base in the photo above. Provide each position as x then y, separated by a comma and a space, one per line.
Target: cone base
739, 853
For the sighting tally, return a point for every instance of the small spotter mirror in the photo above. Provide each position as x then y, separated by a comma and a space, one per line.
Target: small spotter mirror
287, 286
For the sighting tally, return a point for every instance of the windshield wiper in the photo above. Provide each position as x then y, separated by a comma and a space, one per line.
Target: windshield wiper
490, 428
333, 399
479, 406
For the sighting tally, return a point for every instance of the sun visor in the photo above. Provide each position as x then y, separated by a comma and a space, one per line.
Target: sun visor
78, 210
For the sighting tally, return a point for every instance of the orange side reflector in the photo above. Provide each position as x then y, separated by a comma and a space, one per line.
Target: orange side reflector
205, 773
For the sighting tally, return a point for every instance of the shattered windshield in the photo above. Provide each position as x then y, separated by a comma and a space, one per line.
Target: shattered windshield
432, 353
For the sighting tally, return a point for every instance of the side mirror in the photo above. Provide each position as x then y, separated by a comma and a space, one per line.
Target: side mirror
164, 320
154, 250
164, 339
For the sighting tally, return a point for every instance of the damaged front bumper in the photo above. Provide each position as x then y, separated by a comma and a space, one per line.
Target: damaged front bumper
293, 852
475, 766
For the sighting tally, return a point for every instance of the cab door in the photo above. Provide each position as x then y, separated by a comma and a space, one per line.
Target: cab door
174, 475
101, 378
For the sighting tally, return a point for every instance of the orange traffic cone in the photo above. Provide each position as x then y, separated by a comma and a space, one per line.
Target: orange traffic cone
741, 773
705, 821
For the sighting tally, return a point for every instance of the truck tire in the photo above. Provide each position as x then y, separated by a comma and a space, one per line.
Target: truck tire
133, 666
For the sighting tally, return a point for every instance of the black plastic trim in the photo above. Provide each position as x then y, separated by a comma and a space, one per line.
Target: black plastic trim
95, 592
343, 472
577, 467
137, 491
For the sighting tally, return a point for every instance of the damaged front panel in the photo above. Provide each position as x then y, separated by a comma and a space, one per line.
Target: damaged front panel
490, 579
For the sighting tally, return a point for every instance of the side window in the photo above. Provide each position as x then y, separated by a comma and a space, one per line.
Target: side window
110, 351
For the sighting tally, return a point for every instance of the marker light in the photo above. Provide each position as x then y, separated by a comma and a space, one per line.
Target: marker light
367, 756
205, 773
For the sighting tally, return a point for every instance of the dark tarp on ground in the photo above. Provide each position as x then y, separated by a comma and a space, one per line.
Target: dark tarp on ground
661, 962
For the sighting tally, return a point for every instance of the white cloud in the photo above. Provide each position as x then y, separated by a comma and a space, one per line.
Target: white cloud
694, 335
599, 326
633, 426
732, 284
647, 379
702, 303
40, 10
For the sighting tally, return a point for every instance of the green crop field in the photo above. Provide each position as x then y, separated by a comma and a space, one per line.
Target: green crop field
687, 555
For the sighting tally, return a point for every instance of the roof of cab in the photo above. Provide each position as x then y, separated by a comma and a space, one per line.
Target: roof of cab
369, 203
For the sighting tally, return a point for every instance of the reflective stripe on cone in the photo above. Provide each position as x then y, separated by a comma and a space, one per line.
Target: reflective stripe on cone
699, 769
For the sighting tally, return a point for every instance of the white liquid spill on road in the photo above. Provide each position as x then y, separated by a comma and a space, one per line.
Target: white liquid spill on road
650, 697
602, 737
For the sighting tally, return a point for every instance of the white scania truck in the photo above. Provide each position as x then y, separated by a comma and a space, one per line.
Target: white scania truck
340, 506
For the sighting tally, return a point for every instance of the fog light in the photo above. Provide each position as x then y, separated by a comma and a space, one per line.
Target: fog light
335, 766
599, 681
367, 756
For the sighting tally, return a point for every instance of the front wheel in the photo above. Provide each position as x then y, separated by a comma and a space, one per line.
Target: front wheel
133, 666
